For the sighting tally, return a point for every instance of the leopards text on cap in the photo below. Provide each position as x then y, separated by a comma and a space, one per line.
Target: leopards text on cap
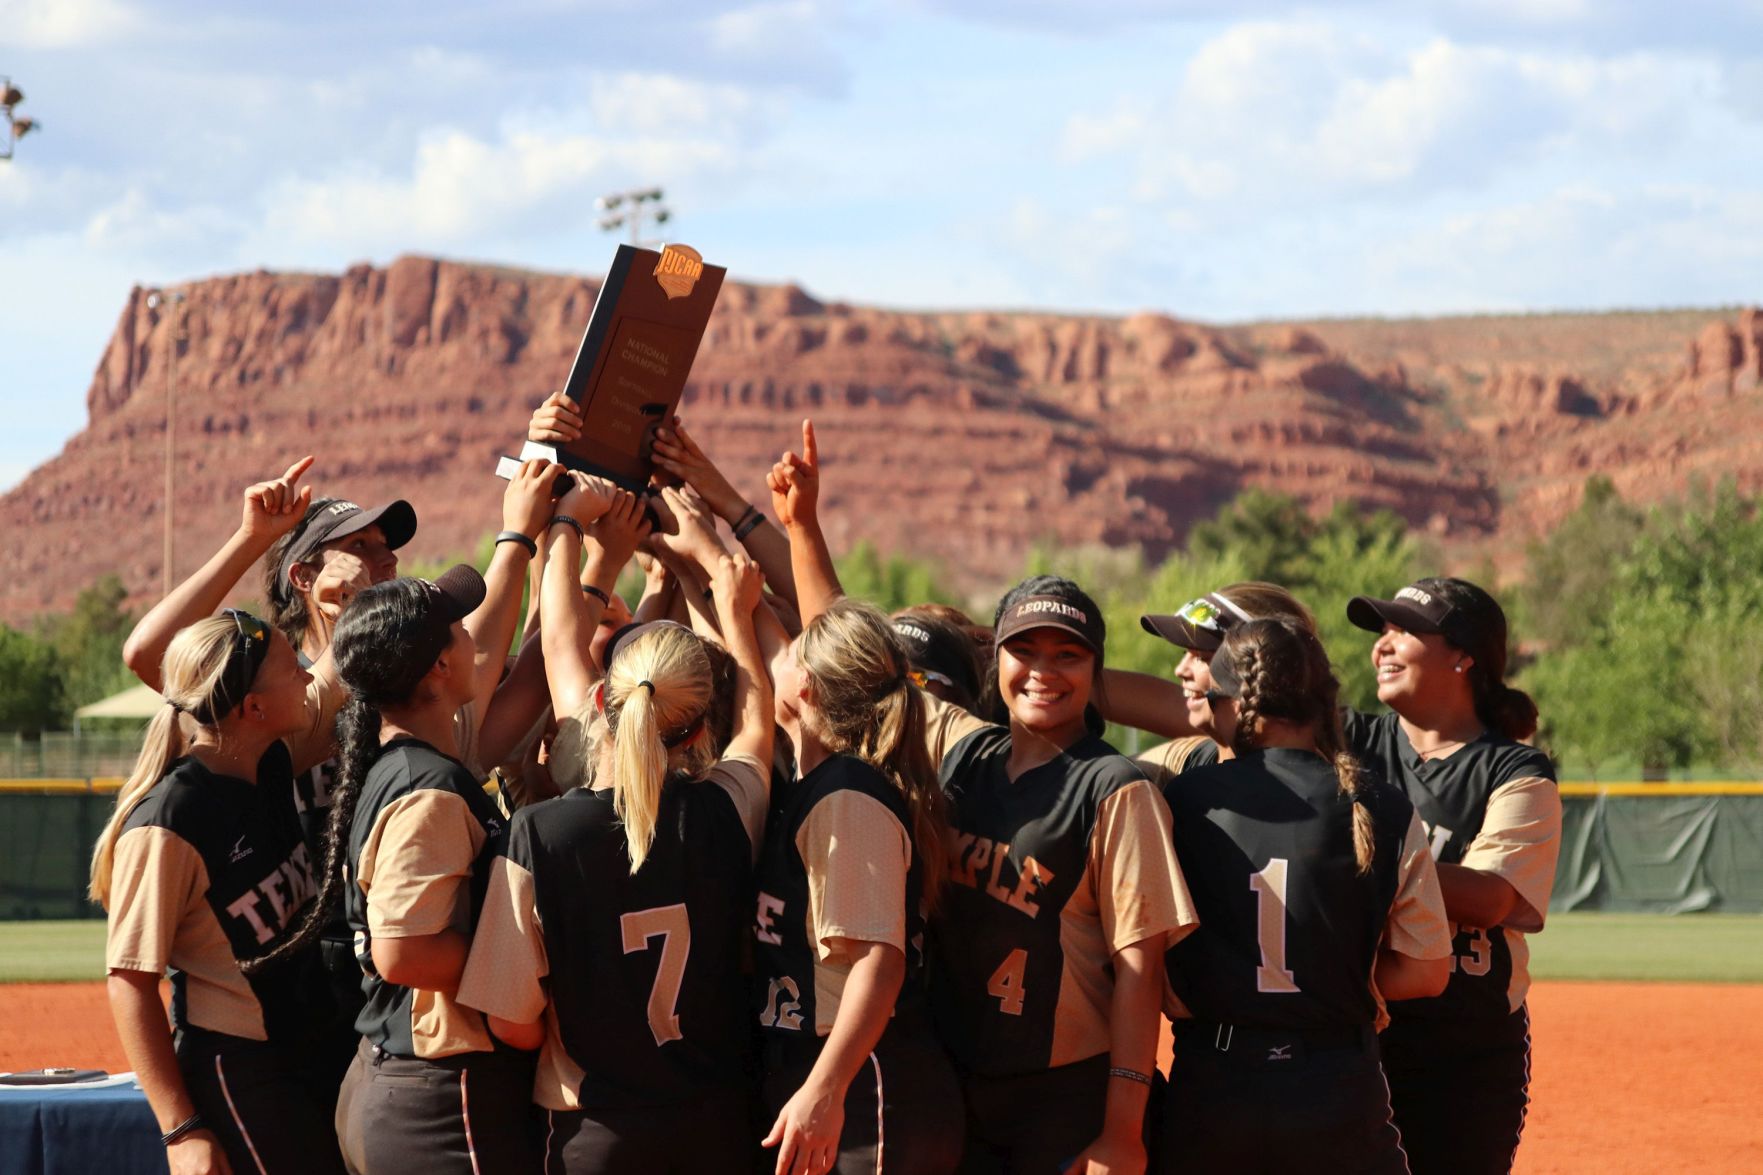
1051, 612
342, 519
1413, 609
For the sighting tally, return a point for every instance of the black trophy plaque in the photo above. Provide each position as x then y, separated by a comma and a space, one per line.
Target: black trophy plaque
632, 365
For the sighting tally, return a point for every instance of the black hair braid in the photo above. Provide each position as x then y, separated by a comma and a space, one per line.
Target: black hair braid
1251, 672
358, 744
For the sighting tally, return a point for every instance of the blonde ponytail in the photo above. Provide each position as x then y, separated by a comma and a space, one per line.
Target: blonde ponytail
195, 661
656, 697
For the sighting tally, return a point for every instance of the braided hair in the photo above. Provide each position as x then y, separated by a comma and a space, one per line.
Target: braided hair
384, 646
1276, 669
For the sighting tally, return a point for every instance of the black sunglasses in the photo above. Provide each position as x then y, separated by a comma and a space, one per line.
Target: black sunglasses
247, 657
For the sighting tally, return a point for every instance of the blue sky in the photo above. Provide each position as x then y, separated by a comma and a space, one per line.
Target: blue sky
1216, 161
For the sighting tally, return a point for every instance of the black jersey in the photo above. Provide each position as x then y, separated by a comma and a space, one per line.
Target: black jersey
1288, 927
455, 830
1451, 794
1050, 874
237, 846
795, 993
646, 973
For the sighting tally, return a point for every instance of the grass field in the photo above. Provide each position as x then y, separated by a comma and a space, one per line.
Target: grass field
1696, 948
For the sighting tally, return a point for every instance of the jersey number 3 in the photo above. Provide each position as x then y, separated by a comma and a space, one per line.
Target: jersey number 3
1269, 887
671, 925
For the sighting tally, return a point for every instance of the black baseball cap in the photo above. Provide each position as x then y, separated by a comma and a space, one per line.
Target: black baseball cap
341, 519
1198, 624
1413, 609
1033, 612
936, 647
455, 594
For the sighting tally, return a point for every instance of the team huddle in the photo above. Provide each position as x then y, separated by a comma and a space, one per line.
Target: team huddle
754, 877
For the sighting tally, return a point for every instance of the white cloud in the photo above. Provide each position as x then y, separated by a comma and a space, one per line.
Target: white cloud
65, 24
1269, 113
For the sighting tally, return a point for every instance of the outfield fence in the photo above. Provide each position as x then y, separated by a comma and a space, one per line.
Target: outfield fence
1671, 848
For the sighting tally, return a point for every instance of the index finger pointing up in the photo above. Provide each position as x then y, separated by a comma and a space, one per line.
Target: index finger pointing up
810, 455
298, 469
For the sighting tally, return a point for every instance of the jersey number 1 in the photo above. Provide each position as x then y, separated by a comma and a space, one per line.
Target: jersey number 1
1269, 887
675, 931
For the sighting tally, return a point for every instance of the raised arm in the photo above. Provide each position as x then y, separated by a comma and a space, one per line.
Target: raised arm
677, 453
795, 499
526, 504
735, 582
659, 586
271, 509
570, 610
695, 549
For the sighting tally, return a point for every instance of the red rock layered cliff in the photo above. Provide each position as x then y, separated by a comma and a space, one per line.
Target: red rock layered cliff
958, 437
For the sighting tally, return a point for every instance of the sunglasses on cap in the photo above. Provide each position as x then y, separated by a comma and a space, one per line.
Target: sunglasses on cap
1207, 612
923, 677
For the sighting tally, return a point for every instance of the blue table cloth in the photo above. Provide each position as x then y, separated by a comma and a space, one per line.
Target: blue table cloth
67, 1130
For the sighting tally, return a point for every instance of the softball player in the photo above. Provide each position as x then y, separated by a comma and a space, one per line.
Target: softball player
1459, 1064
1312, 879
1197, 629
200, 867
614, 932
853, 1078
1046, 951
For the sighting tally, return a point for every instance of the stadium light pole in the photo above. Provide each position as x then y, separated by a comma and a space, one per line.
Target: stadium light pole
13, 127
154, 301
628, 209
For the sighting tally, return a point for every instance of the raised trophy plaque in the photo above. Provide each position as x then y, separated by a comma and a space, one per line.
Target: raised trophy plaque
633, 362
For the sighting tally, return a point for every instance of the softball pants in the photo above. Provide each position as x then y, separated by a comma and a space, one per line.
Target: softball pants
264, 1107
1460, 1089
470, 1114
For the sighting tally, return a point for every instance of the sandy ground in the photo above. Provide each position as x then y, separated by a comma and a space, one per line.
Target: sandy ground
1627, 1078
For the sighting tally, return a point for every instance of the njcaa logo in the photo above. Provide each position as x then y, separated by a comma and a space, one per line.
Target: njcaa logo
678, 270
1415, 594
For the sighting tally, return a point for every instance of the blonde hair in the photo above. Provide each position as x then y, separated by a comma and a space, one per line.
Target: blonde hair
195, 661
657, 692
1269, 601
865, 706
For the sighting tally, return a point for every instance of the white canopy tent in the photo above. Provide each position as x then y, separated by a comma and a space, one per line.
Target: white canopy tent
140, 702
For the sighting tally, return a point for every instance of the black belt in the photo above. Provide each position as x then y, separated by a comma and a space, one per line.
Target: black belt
1270, 1046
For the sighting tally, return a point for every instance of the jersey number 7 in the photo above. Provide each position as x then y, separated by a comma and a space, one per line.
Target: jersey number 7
675, 931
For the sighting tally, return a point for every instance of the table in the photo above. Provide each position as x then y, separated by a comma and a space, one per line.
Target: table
79, 1130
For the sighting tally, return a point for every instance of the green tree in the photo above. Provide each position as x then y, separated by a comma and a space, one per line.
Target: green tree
888, 581
88, 642
32, 694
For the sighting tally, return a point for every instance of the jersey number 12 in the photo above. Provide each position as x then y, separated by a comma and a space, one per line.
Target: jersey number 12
671, 925
1269, 887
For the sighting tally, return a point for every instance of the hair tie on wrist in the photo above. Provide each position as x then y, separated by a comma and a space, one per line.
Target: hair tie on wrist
748, 526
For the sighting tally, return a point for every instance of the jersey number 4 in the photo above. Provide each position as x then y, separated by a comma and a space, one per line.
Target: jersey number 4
1006, 982
1269, 887
670, 924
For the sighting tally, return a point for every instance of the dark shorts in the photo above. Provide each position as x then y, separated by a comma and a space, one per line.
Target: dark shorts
337, 1038
470, 1114
715, 1134
902, 1110
1460, 1089
264, 1108
1033, 1123
1265, 1102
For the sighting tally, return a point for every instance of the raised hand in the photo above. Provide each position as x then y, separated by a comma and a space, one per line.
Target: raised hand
526, 503
339, 579
795, 483
735, 581
677, 453
555, 422
273, 508
694, 526
620, 528
587, 499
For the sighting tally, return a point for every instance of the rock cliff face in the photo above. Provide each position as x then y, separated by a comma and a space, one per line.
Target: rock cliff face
958, 437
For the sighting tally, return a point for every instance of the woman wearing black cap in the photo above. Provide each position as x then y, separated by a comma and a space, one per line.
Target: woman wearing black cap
203, 871
1063, 893
614, 933
413, 832
1459, 1064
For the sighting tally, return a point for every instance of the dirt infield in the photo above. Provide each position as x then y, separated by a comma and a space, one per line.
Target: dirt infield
1628, 1078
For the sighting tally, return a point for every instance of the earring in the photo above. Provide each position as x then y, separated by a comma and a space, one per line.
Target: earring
1459, 669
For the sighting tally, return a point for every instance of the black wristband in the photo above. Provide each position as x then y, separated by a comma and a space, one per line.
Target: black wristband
745, 515
709, 594
514, 536
748, 526
566, 520
589, 589
189, 1125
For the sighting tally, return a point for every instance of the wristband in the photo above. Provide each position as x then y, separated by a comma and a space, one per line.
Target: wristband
745, 515
709, 594
1130, 1075
565, 520
514, 536
589, 589
748, 526
188, 1126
